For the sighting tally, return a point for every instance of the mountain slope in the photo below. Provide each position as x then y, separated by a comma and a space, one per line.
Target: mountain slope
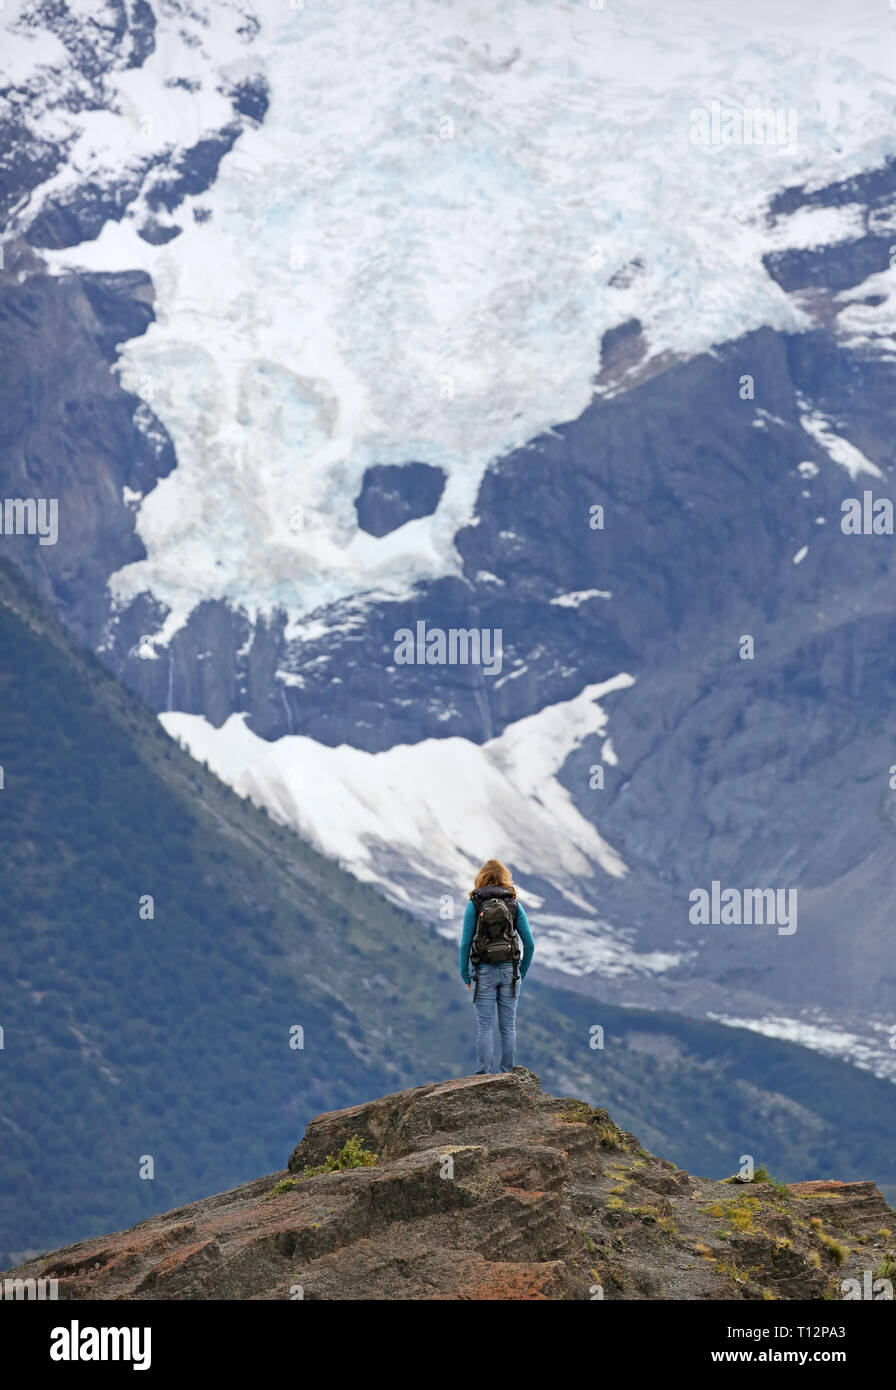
519, 289
169, 1037
485, 1188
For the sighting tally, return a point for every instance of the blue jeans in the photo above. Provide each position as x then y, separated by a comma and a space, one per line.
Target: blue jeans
495, 984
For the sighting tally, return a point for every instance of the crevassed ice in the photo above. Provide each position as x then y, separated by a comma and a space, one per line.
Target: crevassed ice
412, 257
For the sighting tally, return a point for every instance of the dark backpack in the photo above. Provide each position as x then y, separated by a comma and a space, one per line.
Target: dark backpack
495, 940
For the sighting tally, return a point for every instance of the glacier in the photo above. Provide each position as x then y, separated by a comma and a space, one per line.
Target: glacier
417, 252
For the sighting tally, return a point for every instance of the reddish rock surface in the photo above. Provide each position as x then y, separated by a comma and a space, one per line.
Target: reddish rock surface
484, 1188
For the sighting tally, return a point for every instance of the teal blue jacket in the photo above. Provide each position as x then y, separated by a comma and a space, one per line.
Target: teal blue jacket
466, 940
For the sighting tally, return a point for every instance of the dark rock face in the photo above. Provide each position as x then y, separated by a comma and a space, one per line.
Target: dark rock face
840, 267
251, 98
68, 430
393, 494
25, 161
80, 214
124, 38
157, 233
621, 349
483, 1188
831, 268
873, 188
192, 171
96, 48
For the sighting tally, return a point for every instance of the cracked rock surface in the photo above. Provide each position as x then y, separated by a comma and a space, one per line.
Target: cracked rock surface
485, 1188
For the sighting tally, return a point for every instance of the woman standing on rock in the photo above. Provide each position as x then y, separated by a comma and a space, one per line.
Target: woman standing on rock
495, 924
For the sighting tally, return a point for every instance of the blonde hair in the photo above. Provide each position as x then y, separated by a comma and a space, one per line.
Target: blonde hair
494, 874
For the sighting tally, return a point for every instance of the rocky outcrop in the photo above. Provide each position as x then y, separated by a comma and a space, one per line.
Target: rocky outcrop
393, 494
485, 1188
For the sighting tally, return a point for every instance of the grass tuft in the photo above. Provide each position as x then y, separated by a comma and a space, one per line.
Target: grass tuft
609, 1133
352, 1155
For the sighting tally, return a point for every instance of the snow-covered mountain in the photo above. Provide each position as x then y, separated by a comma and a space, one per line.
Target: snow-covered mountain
326, 321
